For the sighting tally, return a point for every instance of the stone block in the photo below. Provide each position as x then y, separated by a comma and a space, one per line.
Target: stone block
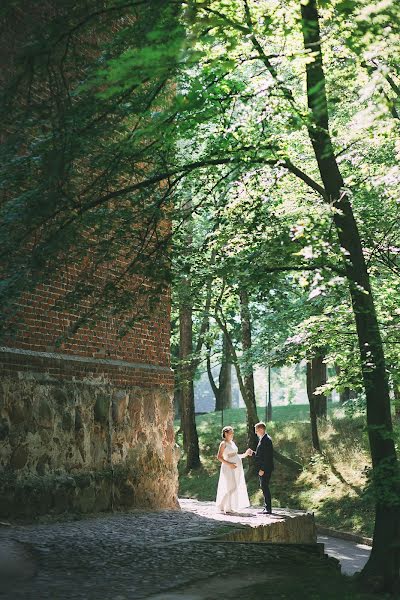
126, 494
19, 457
78, 420
62, 499
284, 526
85, 498
103, 495
67, 422
119, 406
45, 436
149, 409
45, 414
101, 408
17, 412
41, 464
165, 406
135, 410
4, 429
61, 397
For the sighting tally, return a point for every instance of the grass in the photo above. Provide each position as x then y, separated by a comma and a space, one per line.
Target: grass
331, 485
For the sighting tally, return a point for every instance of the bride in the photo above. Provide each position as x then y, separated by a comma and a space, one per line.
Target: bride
232, 491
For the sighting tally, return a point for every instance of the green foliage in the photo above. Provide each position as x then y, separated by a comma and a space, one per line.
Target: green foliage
110, 125
269, 232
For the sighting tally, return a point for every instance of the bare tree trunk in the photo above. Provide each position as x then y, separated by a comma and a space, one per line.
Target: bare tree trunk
384, 562
211, 379
223, 391
313, 410
177, 396
225, 385
319, 378
189, 359
268, 412
251, 410
396, 391
225, 377
248, 378
190, 438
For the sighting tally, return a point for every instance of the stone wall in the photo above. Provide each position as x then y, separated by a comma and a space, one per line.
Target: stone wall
85, 396
85, 444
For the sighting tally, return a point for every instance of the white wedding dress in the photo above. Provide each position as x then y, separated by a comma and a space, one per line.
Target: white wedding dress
232, 491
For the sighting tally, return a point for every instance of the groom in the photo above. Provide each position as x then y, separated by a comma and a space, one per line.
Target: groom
264, 457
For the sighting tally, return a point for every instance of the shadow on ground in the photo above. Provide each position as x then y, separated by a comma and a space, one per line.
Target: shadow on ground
164, 554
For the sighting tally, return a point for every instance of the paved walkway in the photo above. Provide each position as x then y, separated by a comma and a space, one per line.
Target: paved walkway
352, 556
134, 555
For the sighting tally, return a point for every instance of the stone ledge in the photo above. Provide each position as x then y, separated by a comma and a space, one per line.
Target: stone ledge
60, 356
284, 526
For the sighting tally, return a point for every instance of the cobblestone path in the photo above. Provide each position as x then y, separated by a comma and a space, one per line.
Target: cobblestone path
125, 556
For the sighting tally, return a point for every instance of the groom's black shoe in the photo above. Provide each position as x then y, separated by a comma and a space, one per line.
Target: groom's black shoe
265, 511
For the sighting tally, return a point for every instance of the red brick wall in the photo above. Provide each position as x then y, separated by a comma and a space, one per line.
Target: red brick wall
43, 329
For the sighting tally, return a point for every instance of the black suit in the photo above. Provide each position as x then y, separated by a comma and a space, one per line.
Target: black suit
264, 458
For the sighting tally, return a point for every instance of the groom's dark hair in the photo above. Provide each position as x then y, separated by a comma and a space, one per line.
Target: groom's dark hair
260, 424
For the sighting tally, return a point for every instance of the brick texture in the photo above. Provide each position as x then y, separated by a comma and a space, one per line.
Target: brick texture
41, 326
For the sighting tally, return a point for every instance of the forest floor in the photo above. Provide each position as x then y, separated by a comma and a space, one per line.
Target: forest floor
332, 485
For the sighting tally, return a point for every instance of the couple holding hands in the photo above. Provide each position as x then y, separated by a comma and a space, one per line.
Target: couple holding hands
232, 491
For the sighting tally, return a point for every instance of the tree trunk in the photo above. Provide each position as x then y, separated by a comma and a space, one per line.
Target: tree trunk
213, 385
177, 397
225, 377
222, 392
190, 438
251, 410
319, 378
313, 411
248, 378
384, 562
225, 385
268, 411
396, 392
